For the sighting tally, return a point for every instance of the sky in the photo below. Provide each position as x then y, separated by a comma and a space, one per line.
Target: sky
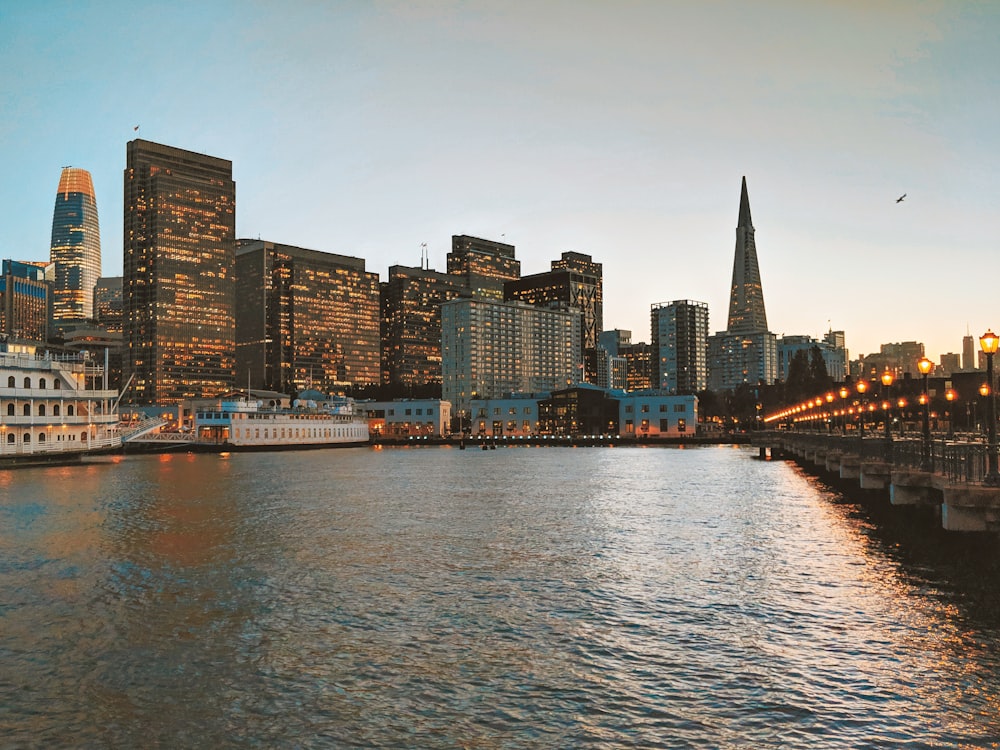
617, 129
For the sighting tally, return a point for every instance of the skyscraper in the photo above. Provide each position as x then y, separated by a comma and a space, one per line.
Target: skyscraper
575, 283
411, 325
76, 246
24, 301
305, 319
679, 335
490, 347
484, 264
746, 352
178, 275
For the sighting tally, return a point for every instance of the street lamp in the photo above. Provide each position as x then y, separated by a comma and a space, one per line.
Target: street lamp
988, 341
843, 405
925, 365
887, 379
950, 396
829, 406
862, 388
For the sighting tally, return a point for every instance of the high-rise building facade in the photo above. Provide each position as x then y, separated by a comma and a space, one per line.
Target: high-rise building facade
25, 306
679, 336
484, 265
76, 246
305, 319
574, 283
108, 303
178, 274
746, 352
490, 347
411, 325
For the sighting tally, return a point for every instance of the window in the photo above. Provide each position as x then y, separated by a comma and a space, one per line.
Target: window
41, 410
55, 410
629, 427
41, 437
663, 408
645, 408
41, 384
27, 382
26, 438
69, 410
527, 410
512, 410
420, 412
11, 438
664, 425
409, 412
629, 409
679, 408
496, 411
27, 410
10, 382
57, 384
10, 410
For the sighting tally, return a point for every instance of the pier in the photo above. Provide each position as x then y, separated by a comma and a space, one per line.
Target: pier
949, 475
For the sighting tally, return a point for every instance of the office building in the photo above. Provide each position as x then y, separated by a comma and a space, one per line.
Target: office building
411, 326
490, 347
746, 352
108, 304
75, 249
679, 335
574, 283
834, 358
25, 305
178, 279
483, 265
305, 319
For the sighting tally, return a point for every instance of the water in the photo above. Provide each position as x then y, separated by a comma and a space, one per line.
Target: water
516, 598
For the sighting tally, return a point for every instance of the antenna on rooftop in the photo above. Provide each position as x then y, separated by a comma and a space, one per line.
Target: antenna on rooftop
424, 263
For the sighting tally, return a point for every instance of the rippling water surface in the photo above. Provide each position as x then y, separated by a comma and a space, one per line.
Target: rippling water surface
478, 599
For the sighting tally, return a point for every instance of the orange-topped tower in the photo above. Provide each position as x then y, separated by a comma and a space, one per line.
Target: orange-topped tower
76, 246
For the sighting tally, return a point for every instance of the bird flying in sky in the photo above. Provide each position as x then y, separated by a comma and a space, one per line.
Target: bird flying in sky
900, 198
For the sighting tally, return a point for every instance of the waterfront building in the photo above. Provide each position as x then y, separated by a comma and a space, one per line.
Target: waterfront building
574, 283
490, 347
679, 335
178, 279
483, 265
75, 249
109, 304
834, 358
514, 415
305, 319
746, 352
411, 325
582, 409
656, 413
25, 304
430, 417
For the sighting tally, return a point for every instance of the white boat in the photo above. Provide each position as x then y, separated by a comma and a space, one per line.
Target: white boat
54, 409
246, 424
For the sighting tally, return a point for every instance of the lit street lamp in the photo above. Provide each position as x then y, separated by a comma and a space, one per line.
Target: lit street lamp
925, 365
843, 406
950, 395
988, 341
887, 379
862, 387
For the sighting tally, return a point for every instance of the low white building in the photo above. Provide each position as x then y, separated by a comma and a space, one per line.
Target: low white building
515, 415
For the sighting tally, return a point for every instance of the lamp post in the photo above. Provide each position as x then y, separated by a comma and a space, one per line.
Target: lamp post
862, 388
843, 406
988, 341
950, 396
887, 379
926, 462
829, 406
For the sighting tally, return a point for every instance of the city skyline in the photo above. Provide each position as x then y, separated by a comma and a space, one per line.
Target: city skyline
622, 135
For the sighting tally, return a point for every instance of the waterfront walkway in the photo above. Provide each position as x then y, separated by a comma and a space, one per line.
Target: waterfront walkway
948, 473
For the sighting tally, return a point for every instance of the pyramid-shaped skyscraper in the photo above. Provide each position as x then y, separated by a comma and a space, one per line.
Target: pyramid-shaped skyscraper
746, 352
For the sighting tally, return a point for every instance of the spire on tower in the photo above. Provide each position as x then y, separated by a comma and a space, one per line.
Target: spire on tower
746, 297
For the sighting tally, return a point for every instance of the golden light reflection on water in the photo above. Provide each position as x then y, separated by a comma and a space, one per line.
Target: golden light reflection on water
628, 597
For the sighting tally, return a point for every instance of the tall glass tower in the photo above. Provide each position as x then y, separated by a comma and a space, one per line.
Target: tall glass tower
76, 246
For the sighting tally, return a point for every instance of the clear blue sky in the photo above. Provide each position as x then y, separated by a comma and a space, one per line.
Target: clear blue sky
620, 130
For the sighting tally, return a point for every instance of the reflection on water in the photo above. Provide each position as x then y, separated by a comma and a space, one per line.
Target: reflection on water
512, 598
